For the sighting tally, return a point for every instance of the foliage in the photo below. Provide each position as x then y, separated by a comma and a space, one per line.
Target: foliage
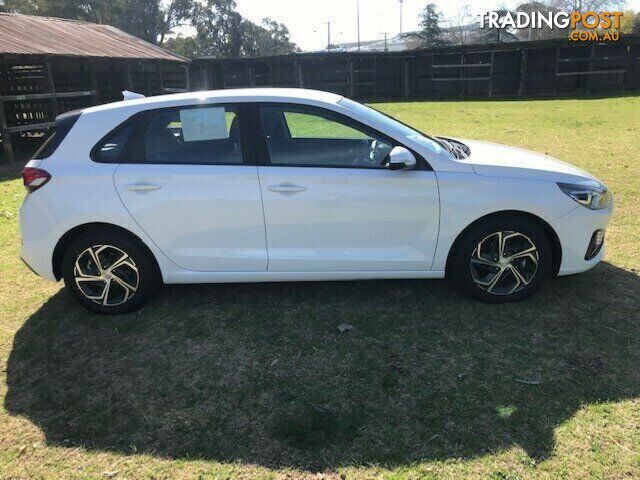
150, 20
270, 38
222, 32
187, 47
586, 5
430, 34
220, 29
630, 23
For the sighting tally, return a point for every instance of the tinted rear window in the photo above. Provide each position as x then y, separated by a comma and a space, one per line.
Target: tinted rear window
60, 129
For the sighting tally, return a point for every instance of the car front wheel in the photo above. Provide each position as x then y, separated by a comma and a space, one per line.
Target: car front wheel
502, 260
109, 273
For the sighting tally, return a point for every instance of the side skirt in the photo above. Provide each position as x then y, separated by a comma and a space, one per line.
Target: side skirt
248, 277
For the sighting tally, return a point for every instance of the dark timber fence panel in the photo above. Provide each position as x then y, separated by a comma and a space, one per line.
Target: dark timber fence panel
35, 89
553, 67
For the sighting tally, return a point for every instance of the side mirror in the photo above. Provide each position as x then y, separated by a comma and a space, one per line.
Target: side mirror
401, 159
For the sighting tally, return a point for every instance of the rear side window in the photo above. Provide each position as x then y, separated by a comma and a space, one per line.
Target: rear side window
203, 135
61, 128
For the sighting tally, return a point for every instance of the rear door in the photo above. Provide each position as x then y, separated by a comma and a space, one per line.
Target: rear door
189, 183
330, 201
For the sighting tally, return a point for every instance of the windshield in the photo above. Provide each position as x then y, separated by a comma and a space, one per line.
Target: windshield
408, 132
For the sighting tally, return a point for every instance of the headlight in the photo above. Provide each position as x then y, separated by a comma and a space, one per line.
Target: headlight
594, 195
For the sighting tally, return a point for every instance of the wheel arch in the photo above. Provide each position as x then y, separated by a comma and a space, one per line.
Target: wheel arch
551, 234
67, 239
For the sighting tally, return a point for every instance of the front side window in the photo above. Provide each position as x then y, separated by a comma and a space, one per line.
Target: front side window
297, 136
432, 144
203, 135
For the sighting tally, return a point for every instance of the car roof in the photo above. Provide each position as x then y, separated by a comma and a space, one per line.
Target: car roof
294, 95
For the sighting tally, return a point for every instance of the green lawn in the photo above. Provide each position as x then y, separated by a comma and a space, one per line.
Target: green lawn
257, 381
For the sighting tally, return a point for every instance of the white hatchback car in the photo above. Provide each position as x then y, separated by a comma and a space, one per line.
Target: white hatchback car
263, 185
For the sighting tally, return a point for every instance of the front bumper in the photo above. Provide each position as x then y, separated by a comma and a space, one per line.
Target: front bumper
575, 230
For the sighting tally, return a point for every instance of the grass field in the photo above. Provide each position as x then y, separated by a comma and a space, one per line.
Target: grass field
257, 381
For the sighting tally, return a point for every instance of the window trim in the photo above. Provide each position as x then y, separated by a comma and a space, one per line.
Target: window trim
264, 158
143, 119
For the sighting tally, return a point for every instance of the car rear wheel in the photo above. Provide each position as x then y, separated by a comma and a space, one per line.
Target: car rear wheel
504, 259
109, 273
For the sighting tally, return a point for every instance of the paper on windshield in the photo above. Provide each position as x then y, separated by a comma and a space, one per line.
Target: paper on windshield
200, 124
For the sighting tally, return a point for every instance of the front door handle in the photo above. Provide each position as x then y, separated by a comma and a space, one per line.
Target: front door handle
141, 187
286, 188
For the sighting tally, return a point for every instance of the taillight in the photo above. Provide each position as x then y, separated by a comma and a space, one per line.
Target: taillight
34, 178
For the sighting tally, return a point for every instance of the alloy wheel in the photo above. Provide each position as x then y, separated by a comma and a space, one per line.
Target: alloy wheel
504, 262
106, 275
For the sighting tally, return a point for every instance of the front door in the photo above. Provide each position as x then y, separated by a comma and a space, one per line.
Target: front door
189, 187
330, 202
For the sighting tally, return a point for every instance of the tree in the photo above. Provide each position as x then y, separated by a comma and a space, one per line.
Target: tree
586, 5
430, 31
270, 38
218, 28
630, 23
176, 13
187, 47
80, 10
222, 32
150, 20
460, 26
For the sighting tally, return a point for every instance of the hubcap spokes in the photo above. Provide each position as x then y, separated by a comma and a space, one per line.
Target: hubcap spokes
504, 262
106, 275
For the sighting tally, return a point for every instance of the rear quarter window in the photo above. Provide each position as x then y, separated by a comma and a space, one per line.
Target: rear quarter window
113, 147
60, 130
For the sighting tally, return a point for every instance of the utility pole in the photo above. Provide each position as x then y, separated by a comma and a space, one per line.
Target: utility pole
358, 20
386, 45
328, 24
400, 1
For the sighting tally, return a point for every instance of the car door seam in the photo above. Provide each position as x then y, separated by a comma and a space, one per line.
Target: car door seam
264, 215
435, 249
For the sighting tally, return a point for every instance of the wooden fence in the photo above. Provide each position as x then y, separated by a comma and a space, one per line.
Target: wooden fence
555, 67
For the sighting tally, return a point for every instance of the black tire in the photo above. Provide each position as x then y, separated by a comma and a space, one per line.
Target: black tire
468, 270
130, 283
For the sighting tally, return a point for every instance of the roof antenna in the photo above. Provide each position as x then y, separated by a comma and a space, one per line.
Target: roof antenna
131, 95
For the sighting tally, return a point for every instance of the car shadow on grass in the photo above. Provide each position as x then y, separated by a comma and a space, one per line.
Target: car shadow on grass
260, 373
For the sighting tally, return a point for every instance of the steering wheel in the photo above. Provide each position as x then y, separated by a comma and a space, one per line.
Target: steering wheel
368, 153
360, 152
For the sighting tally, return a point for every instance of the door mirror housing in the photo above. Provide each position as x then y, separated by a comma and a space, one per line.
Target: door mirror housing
401, 159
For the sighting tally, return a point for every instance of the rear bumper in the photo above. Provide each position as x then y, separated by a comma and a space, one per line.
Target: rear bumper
575, 230
40, 233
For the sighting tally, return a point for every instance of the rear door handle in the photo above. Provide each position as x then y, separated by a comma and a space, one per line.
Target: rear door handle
286, 188
141, 187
